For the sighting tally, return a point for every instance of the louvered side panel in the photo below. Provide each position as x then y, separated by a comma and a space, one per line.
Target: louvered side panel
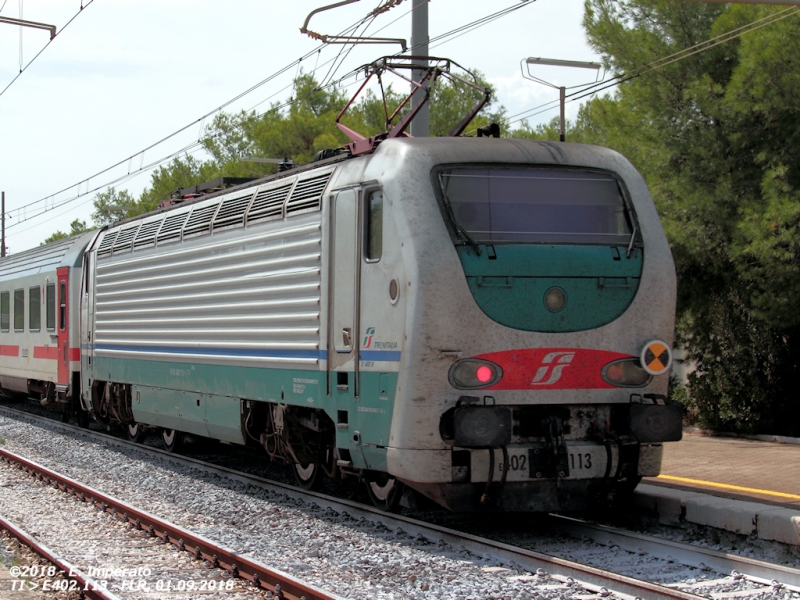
104, 249
231, 212
256, 302
199, 222
147, 234
307, 194
171, 229
268, 203
124, 240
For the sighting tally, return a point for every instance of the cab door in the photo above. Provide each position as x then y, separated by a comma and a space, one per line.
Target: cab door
344, 293
62, 302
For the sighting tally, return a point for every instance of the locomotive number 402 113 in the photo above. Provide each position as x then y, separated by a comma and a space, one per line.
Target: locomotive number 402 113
582, 461
577, 460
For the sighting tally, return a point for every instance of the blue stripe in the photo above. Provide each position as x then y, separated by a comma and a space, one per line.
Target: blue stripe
374, 355
381, 355
241, 352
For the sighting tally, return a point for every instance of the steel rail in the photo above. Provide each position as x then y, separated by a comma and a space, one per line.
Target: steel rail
591, 578
687, 554
218, 556
88, 586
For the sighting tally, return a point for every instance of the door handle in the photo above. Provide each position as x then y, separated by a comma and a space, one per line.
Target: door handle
347, 337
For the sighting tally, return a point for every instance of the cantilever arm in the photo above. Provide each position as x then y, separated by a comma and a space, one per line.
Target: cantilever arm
344, 39
33, 24
304, 28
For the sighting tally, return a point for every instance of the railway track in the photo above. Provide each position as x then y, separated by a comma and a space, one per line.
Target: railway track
70, 578
145, 577
546, 572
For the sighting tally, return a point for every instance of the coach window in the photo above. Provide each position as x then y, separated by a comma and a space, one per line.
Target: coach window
5, 310
35, 308
62, 313
374, 223
51, 306
19, 310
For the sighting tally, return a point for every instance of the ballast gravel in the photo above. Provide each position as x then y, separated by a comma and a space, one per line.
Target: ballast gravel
124, 561
354, 558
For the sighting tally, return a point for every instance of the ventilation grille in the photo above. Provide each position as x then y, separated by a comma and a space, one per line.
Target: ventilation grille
231, 212
125, 239
307, 194
171, 230
269, 204
105, 246
147, 234
200, 221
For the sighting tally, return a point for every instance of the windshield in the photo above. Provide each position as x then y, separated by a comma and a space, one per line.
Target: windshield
495, 205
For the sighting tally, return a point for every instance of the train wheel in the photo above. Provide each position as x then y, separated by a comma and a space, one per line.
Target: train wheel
135, 432
385, 492
173, 440
309, 477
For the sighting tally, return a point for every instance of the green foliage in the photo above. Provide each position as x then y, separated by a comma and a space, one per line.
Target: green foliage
181, 172
548, 132
297, 133
111, 206
75, 228
452, 100
717, 137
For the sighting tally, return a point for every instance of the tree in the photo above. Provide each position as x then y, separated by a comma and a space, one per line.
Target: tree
716, 137
75, 228
111, 206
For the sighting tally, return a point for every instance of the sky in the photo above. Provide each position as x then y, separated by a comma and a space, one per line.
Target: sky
125, 74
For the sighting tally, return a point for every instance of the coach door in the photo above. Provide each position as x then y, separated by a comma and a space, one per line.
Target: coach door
343, 329
62, 301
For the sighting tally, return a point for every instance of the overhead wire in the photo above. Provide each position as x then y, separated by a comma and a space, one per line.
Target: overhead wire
188, 149
196, 145
184, 128
47, 45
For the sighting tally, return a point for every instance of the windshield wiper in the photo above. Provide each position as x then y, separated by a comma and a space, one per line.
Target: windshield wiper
460, 231
633, 239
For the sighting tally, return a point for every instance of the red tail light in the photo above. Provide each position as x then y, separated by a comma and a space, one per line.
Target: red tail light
472, 374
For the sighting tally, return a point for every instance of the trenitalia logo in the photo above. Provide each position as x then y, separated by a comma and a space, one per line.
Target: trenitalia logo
368, 337
546, 369
552, 364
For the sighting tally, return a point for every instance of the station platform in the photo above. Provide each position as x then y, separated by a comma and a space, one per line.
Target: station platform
750, 487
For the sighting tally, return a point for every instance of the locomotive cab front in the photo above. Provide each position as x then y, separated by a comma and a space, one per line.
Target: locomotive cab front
540, 331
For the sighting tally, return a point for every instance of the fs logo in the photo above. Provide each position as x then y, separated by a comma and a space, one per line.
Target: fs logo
553, 364
368, 337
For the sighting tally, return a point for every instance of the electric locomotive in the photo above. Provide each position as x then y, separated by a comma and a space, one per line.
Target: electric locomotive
484, 322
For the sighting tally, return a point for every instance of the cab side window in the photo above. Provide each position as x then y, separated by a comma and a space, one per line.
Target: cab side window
373, 209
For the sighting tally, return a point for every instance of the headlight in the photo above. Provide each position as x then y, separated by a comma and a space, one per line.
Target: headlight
555, 299
626, 373
473, 374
